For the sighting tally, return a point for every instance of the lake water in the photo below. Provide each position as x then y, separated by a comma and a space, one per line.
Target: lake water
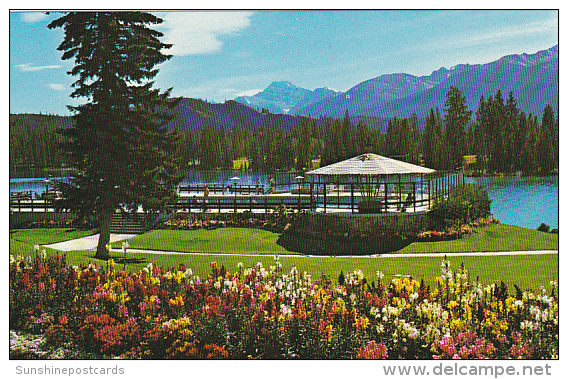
522, 201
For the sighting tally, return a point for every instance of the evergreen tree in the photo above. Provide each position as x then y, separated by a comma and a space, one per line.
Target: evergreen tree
497, 142
209, 148
257, 158
327, 156
347, 143
276, 151
547, 159
415, 146
123, 155
304, 141
512, 144
362, 139
226, 157
456, 118
528, 159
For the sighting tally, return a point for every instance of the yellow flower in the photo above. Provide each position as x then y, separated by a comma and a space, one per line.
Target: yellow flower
329, 332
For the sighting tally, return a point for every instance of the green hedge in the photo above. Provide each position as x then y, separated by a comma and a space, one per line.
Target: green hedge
464, 203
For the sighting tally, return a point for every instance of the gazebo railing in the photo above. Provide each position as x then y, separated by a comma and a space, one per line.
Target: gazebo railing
417, 193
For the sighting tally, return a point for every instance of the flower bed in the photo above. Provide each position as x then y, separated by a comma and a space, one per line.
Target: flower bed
51, 223
455, 231
277, 220
257, 312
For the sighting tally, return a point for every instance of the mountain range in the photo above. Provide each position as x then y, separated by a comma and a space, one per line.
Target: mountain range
285, 97
533, 79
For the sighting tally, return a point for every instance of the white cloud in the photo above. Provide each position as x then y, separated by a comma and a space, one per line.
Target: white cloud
198, 32
250, 92
514, 32
27, 67
32, 17
57, 86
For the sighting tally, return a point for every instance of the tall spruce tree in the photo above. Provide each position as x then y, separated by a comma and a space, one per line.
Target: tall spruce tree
511, 143
547, 159
456, 118
496, 132
122, 153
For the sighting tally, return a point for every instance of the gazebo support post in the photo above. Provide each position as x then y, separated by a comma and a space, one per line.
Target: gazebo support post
324, 198
414, 195
338, 199
429, 193
386, 196
422, 189
399, 205
352, 199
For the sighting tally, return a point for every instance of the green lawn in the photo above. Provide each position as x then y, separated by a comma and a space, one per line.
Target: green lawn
496, 237
527, 271
524, 270
46, 236
224, 240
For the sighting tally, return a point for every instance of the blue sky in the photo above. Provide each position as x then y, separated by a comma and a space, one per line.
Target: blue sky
223, 54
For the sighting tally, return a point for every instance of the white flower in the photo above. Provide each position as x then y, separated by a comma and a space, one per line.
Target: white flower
380, 275
36, 248
125, 246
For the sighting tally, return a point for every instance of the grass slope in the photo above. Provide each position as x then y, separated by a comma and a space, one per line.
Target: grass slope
524, 270
46, 236
496, 237
224, 240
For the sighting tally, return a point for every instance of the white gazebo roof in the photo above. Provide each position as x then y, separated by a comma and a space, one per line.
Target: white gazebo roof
371, 164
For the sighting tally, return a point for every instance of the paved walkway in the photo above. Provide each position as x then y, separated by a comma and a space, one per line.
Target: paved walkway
89, 243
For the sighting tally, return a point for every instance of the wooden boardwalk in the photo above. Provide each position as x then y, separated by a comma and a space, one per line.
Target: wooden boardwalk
226, 202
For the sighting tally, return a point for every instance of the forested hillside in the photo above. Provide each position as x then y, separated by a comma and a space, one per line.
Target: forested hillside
500, 135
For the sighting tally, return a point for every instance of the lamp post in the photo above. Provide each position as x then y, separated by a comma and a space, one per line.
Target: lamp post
125, 246
235, 178
45, 195
46, 181
299, 180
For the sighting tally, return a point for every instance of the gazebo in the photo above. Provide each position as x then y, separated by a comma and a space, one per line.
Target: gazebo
371, 183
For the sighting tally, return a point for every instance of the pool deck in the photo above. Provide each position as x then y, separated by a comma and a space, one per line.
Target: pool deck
257, 202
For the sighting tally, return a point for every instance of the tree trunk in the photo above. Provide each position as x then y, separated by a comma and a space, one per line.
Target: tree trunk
104, 235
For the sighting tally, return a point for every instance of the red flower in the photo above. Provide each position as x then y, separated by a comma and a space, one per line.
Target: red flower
373, 351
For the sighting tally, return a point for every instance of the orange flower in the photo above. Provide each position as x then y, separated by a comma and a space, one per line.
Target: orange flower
62, 320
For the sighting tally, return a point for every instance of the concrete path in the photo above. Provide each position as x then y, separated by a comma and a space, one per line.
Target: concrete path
88, 243
373, 256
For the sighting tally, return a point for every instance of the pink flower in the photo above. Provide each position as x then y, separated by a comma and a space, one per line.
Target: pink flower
373, 351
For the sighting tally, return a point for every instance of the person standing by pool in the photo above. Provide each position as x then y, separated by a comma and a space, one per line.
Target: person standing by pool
272, 185
205, 198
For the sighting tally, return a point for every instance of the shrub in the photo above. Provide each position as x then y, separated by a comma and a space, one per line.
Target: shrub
464, 203
543, 228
